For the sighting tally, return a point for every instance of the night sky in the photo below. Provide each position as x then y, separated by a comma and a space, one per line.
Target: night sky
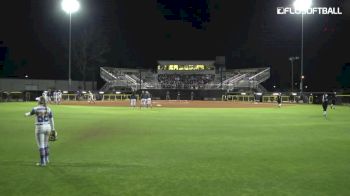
140, 32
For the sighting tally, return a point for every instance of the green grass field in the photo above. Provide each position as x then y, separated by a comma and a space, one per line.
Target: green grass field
173, 151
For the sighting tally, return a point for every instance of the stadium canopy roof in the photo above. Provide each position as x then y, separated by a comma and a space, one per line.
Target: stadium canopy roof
186, 62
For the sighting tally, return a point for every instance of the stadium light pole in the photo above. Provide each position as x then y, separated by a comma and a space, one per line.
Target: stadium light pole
292, 59
70, 7
302, 6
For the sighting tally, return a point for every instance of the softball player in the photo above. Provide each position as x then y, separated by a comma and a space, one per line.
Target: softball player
44, 124
91, 97
55, 97
325, 104
59, 97
279, 100
333, 101
133, 100
143, 99
45, 95
149, 99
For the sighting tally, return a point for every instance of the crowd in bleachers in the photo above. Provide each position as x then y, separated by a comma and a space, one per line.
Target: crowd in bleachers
179, 81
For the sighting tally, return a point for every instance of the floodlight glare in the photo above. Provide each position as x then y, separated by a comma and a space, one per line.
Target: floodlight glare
70, 6
302, 5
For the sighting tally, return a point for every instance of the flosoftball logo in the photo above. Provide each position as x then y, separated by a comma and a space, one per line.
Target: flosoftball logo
314, 10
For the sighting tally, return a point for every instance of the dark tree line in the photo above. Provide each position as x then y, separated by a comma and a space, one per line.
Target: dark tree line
89, 51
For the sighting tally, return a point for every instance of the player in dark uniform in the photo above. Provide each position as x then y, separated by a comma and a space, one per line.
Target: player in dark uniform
279, 100
325, 104
133, 100
333, 101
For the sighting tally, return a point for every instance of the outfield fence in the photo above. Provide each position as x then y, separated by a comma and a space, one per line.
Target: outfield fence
103, 97
343, 99
116, 97
236, 98
311, 98
307, 97
274, 98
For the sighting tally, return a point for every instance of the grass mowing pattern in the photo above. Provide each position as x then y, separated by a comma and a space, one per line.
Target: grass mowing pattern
174, 151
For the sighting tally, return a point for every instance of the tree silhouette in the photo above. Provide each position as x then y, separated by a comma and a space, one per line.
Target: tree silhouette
88, 52
344, 76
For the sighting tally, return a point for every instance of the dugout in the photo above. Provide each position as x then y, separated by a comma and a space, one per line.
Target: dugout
185, 94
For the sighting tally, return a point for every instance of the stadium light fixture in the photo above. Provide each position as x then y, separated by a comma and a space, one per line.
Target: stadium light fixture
70, 6
117, 92
65, 92
101, 92
258, 94
294, 94
302, 6
84, 92
243, 93
275, 94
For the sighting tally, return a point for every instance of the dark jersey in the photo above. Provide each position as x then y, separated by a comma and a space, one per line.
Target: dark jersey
279, 98
325, 99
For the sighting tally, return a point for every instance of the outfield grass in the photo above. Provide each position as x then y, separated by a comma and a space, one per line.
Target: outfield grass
174, 151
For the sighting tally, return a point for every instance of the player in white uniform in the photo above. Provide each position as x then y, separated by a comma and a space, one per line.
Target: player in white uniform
44, 124
91, 97
54, 96
143, 99
59, 97
149, 99
45, 96
49, 94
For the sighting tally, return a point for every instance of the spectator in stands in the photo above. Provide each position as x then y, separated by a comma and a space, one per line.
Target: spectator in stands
194, 81
178, 95
167, 96
192, 95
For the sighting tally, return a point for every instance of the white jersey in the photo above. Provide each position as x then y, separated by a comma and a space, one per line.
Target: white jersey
59, 95
43, 115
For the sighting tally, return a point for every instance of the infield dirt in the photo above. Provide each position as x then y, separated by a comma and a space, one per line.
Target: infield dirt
179, 104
